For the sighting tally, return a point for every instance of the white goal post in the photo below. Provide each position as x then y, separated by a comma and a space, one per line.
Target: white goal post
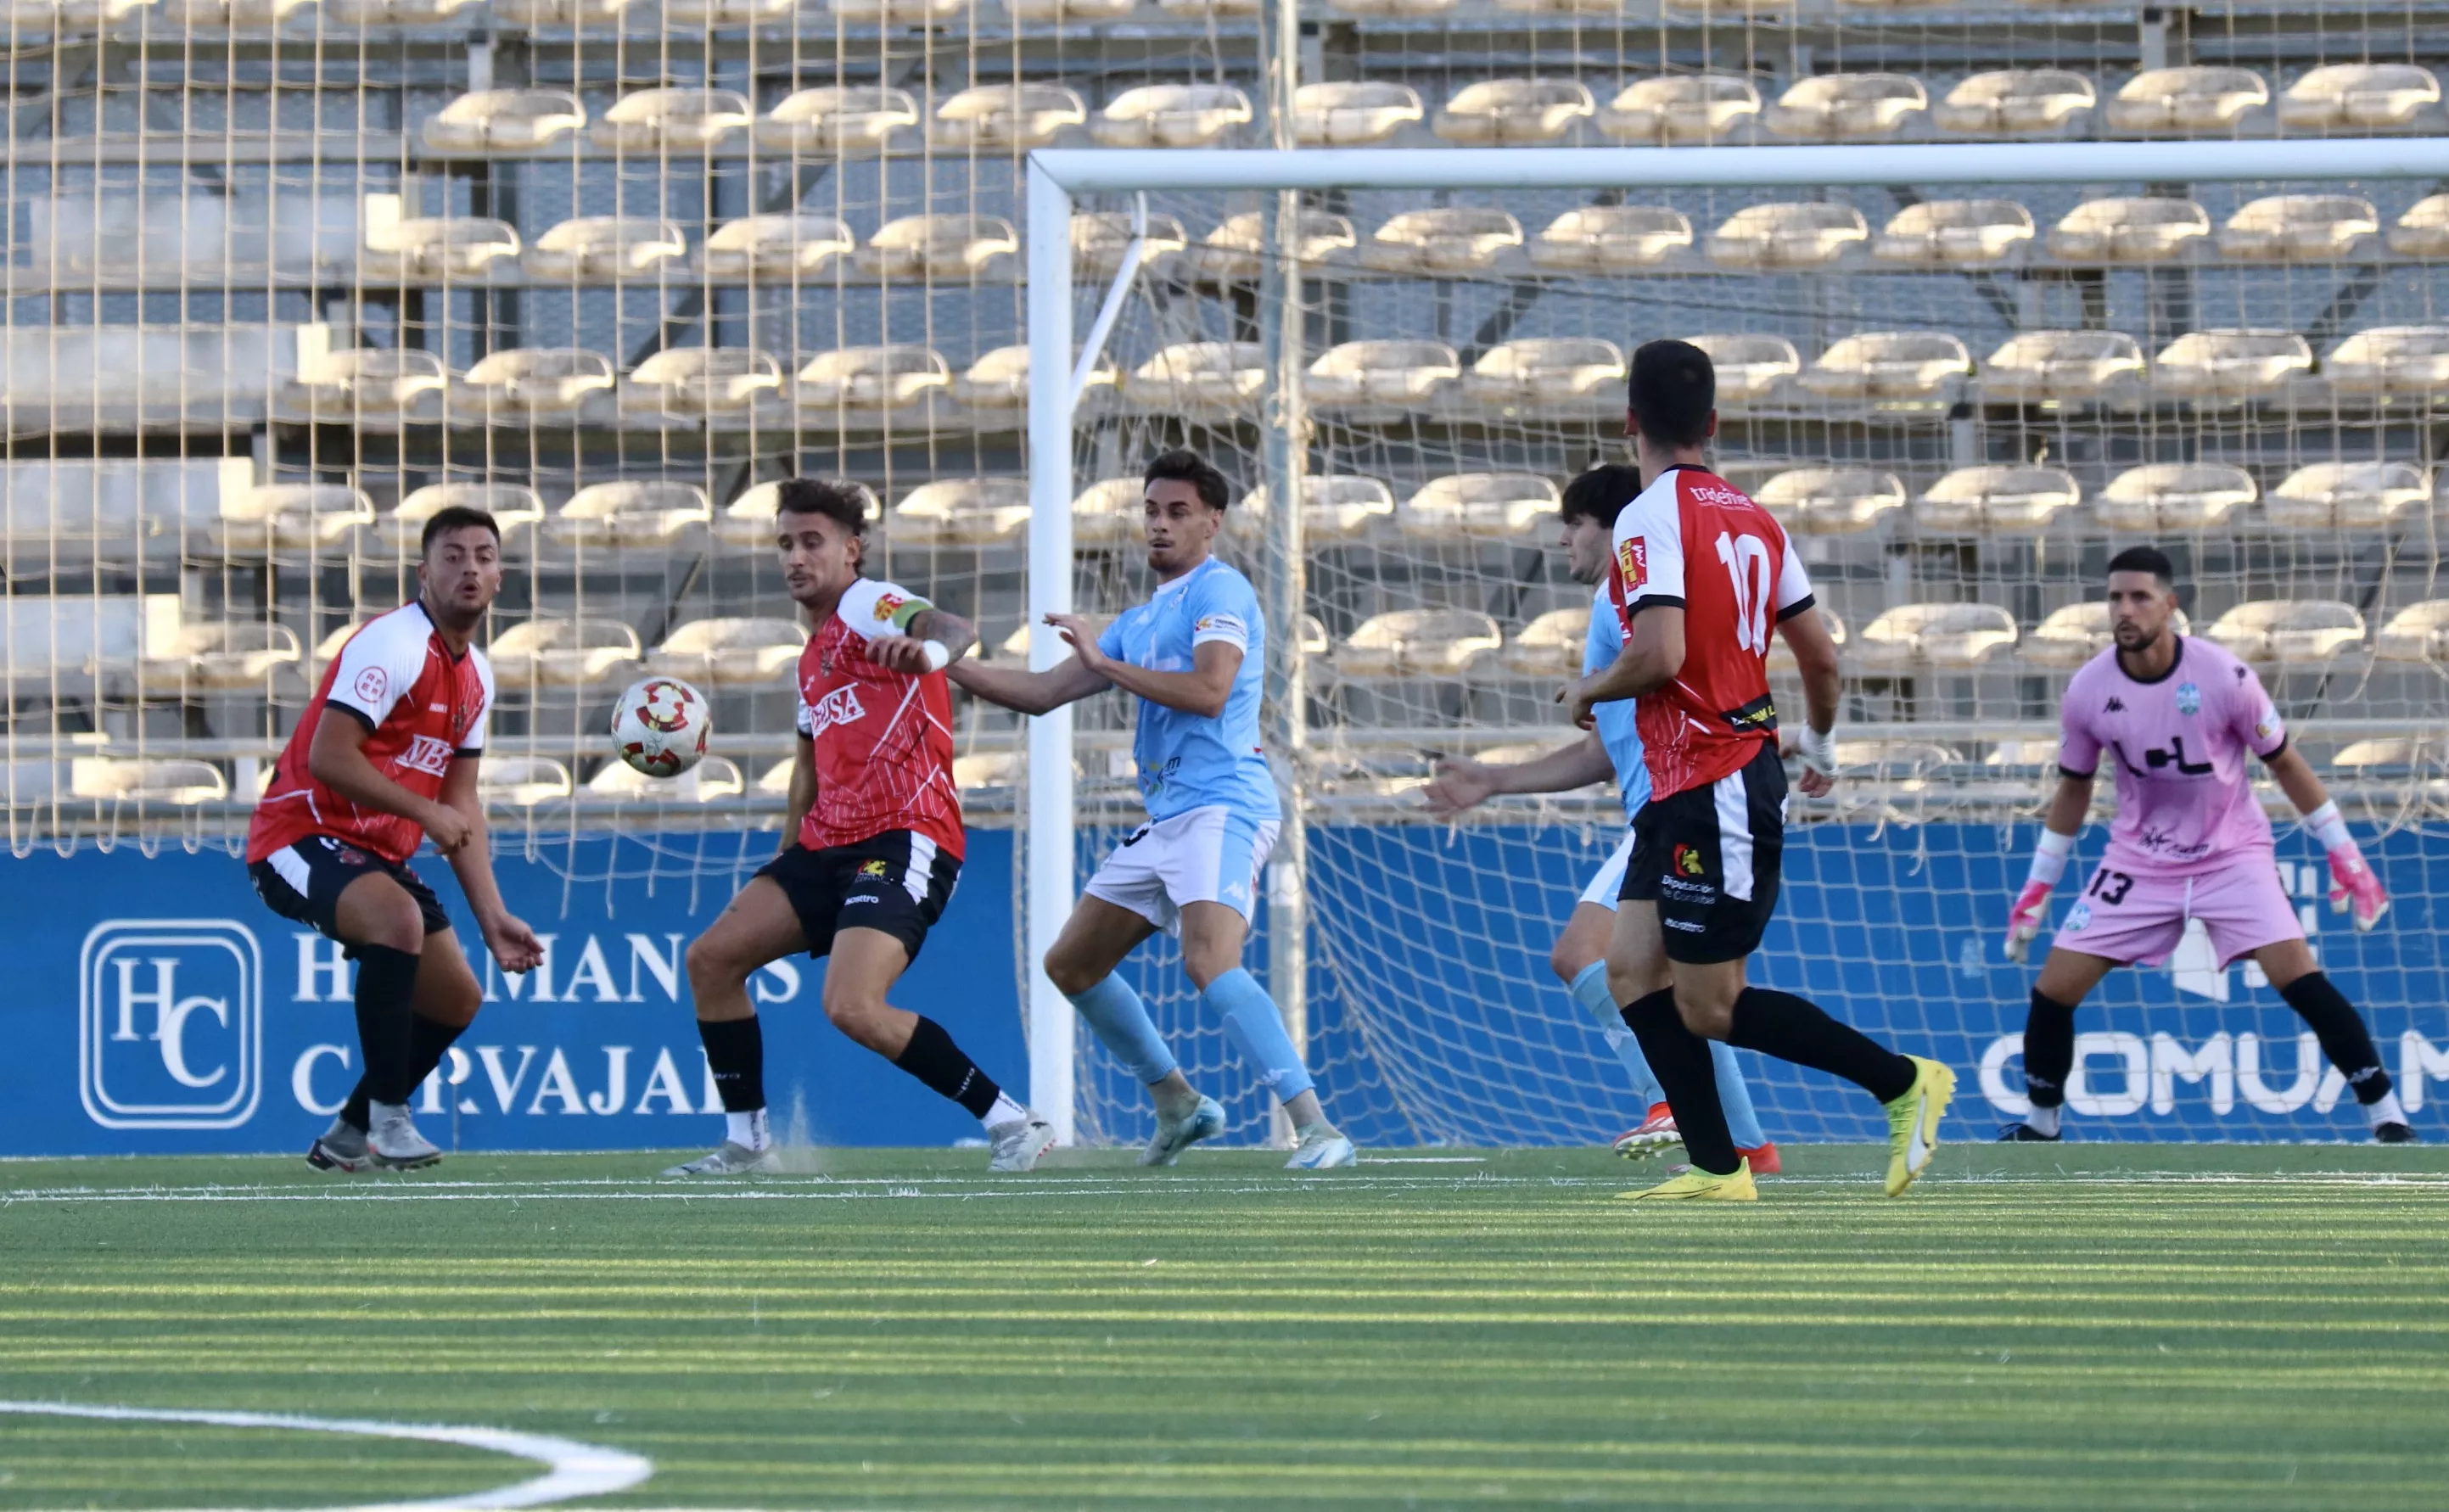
1055, 179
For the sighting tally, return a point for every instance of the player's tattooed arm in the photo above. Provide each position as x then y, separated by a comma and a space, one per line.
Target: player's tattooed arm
907, 650
955, 634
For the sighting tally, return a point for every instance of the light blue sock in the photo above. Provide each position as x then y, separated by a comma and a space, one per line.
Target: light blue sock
1257, 1030
1736, 1098
1120, 1022
1589, 990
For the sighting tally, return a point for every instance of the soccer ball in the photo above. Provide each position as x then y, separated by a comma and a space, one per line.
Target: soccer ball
660, 726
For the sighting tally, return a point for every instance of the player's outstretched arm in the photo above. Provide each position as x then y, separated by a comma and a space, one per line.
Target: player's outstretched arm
1461, 782
2068, 807
2353, 886
1652, 655
513, 943
1027, 692
1204, 690
338, 759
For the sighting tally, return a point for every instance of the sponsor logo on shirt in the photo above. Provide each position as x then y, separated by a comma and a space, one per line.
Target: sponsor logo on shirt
1718, 493
426, 755
841, 706
873, 869
2267, 725
1632, 560
1688, 862
2115, 705
2190, 698
1227, 624
371, 684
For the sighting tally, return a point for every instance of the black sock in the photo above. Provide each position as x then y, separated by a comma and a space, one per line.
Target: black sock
2345, 1037
735, 1053
1799, 1030
2049, 1051
1680, 1060
428, 1039
386, 988
932, 1058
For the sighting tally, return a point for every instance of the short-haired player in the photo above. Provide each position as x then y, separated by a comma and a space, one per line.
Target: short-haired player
872, 845
2176, 717
385, 757
1610, 750
1193, 656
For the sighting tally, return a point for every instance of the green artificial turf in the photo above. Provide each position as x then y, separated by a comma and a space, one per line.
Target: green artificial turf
2080, 1326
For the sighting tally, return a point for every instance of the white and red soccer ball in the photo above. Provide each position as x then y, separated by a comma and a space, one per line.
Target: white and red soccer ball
661, 725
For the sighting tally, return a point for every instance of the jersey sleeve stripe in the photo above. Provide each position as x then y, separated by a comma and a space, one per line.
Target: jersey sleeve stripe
1653, 601
1796, 607
355, 712
2079, 776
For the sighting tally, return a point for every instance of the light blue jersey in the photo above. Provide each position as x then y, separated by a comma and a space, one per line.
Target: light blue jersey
1616, 727
1187, 760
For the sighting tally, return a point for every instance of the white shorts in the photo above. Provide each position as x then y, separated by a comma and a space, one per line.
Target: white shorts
1608, 881
1206, 855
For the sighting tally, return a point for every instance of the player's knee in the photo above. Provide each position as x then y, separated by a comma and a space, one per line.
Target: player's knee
712, 968
856, 1014
397, 923
1071, 975
1707, 1017
1568, 963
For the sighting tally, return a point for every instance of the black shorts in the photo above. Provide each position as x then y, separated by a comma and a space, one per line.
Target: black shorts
897, 882
1710, 858
304, 883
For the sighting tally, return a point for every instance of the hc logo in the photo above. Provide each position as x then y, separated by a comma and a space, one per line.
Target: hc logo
170, 1024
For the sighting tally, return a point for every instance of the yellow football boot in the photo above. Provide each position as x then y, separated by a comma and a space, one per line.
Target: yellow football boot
1913, 1123
1700, 1186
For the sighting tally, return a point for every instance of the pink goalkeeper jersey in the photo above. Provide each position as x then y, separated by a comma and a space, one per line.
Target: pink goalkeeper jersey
2178, 744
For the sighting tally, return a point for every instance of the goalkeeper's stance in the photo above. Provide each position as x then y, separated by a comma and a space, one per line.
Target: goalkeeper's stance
1611, 750
2177, 715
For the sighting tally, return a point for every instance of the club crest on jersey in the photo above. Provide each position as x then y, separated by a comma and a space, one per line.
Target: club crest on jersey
1689, 863
1632, 560
2190, 698
888, 604
2079, 918
841, 706
426, 755
371, 684
873, 869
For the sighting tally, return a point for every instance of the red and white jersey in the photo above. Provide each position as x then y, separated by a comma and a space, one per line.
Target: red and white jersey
1695, 541
883, 739
425, 708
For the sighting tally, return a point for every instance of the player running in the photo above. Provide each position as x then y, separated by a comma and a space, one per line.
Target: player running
351, 800
2178, 713
1613, 748
1193, 656
1699, 574
872, 849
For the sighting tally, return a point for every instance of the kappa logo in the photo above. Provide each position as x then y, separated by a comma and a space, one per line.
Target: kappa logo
1632, 561
2117, 705
426, 755
841, 706
170, 1024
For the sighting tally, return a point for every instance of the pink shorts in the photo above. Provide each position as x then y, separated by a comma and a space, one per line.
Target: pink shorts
2130, 917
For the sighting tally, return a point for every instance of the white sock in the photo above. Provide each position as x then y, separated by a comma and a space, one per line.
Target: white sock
747, 1130
1004, 1111
2384, 1111
2042, 1121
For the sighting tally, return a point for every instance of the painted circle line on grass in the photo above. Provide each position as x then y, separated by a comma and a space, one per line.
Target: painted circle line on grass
574, 1469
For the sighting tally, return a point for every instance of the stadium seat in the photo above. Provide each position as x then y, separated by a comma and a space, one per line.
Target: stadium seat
960, 512
605, 247
1903, 764
776, 778
2296, 631
2424, 230
2419, 632
179, 781
365, 381
1172, 115
558, 651
1511, 112
1451, 240
1549, 646
1395, 10
1357, 114
982, 771
2174, 497
2013, 102
701, 15
1799, 234
2358, 97
999, 381
711, 780
2060, 366
1202, 11
1099, 241
504, 122
1953, 233
2391, 360
536, 379
513, 507
775, 246
703, 380
937, 246
1334, 508
895, 12
1198, 372
227, 658
1936, 635
1750, 368
748, 523
729, 651
329, 647
1107, 513
886, 377
2196, 98
1610, 238
671, 120
436, 248
1683, 109
2129, 230
229, 15
2073, 634
1888, 365
556, 15
522, 782
1417, 643
2361, 757
2230, 364
1846, 106
1480, 505
1236, 249
1363, 372
839, 119
403, 14
1545, 370
2009, 497
1831, 501
631, 513
1780, 657
2298, 227
1068, 13
290, 516
1007, 116
2348, 495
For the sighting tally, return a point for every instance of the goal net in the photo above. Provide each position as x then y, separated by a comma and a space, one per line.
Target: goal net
1960, 401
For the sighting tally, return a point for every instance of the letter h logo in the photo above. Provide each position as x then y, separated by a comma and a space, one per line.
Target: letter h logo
170, 1024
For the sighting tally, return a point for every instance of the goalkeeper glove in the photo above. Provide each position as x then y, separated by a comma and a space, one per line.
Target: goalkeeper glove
1816, 752
2049, 864
2352, 882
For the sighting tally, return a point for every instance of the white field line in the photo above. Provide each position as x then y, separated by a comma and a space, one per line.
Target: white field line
573, 1470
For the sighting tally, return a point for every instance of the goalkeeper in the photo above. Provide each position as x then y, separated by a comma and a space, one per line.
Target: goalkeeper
1611, 750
